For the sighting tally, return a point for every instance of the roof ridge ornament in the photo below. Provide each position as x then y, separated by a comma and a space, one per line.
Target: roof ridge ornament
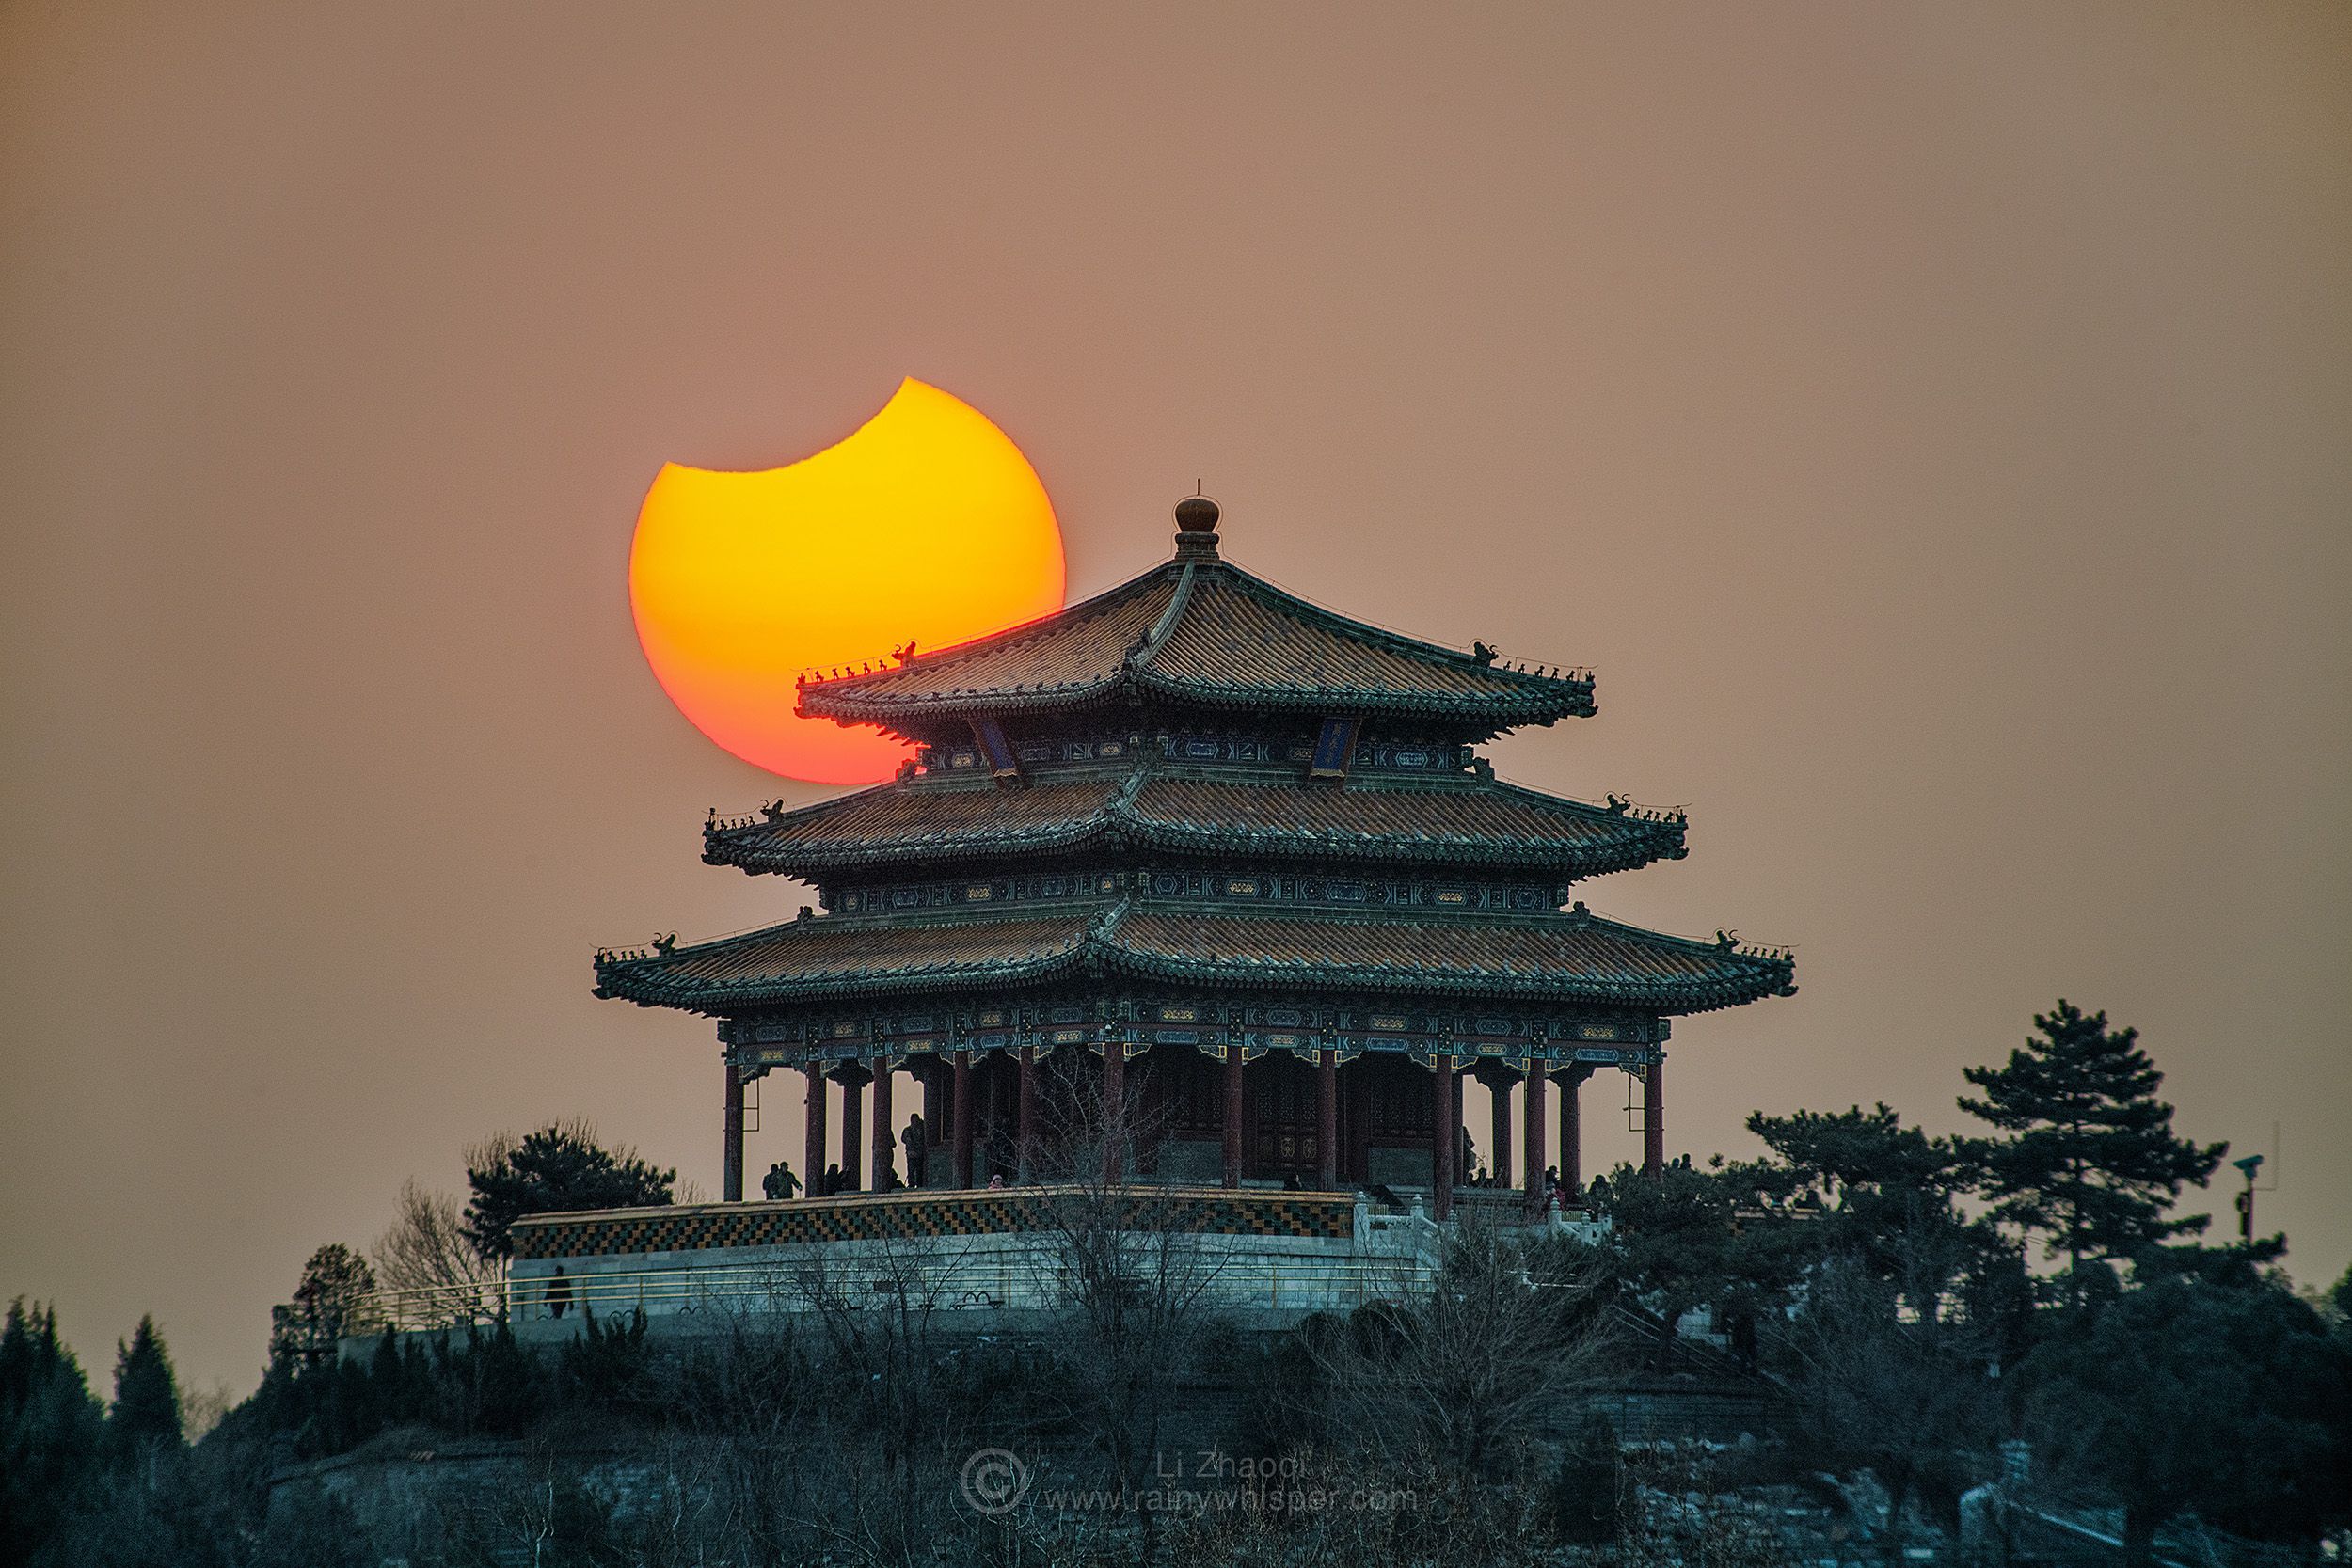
1121, 808
1196, 528
1103, 931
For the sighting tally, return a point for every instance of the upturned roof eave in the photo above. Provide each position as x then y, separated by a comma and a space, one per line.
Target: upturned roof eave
718, 998
1533, 698
1102, 945
1664, 998
1387, 851
950, 707
1497, 710
846, 856
1644, 840
1483, 714
1282, 843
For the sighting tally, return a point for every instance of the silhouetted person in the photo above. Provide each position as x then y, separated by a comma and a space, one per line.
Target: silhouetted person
997, 1152
833, 1179
1741, 1327
780, 1183
911, 1139
559, 1293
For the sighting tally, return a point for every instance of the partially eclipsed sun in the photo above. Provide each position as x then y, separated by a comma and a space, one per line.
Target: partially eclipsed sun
926, 526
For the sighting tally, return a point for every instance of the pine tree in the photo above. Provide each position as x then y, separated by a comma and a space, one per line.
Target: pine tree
329, 1302
146, 1415
1888, 1195
558, 1169
48, 1430
2090, 1164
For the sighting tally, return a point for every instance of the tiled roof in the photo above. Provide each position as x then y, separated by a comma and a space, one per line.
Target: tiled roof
1204, 631
893, 821
819, 958
1466, 821
1473, 822
1574, 956
1579, 956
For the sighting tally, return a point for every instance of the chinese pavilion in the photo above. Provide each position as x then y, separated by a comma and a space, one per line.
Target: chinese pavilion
1237, 848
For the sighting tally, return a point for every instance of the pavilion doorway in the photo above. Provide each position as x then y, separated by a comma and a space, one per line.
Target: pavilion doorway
1387, 1121
1282, 1123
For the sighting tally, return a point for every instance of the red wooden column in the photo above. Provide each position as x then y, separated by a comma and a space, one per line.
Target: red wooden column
1538, 1080
1654, 1118
882, 1142
962, 1112
1572, 1130
853, 1112
1114, 1111
731, 1146
1232, 1114
1327, 1119
1461, 1116
813, 1146
1446, 1128
1025, 1159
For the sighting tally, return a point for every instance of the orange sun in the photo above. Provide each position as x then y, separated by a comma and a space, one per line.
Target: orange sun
927, 525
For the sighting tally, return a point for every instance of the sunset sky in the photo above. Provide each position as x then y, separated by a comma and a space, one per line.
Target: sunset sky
1931, 422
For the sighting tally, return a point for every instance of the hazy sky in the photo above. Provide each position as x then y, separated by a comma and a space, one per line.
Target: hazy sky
1931, 420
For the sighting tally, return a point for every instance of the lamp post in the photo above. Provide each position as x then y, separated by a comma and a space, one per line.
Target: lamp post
2251, 1164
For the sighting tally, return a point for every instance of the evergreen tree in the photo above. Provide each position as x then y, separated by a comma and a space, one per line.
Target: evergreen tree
146, 1415
1884, 1351
2230, 1400
1887, 1195
2090, 1164
1859, 1151
560, 1169
50, 1426
1678, 1241
605, 1367
2337, 1301
328, 1304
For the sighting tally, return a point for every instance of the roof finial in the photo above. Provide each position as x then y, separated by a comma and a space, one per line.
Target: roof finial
1196, 528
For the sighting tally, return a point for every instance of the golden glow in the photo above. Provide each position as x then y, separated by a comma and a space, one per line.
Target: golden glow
927, 525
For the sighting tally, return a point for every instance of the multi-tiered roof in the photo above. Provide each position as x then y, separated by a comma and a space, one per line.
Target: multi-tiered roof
1198, 787
1200, 633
